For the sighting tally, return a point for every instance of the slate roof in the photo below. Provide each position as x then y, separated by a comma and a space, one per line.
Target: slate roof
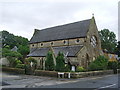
42, 52
67, 31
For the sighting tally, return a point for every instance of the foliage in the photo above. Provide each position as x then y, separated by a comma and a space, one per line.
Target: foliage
8, 53
9, 41
12, 40
28, 68
80, 69
67, 68
60, 62
112, 65
118, 64
22, 66
100, 63
49, 62
118, 49
24, 50
108, 40
30, 59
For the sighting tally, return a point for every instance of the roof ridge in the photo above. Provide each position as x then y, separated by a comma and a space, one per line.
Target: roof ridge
62, 25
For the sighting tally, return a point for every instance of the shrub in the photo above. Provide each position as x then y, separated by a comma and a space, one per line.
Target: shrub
60, 62
49, 62
28, 69
112, 65
119, 65
22, 66
67, 68
100, 63
80, 69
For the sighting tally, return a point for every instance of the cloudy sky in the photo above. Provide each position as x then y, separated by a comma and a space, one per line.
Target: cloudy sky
23, 16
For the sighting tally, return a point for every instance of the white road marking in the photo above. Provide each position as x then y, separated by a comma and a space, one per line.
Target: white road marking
107, 86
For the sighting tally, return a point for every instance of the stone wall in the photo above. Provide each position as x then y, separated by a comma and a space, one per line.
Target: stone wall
58, 43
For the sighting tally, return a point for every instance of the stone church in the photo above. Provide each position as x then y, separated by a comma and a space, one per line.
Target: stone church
78, 41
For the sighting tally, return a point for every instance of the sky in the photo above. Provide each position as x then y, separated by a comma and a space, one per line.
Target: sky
21, 17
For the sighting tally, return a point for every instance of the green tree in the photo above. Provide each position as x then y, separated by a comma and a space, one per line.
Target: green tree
118, 49
49, 63
108, 40
100, 63
12, 40
24, 50
60, 62
8, 53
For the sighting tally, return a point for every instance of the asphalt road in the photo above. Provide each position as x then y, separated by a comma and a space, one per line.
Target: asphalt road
28, 81
101, 82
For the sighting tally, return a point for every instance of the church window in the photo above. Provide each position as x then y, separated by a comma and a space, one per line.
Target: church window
51, 43
78, 40
64, 42
33, 45
41, 44
93, 41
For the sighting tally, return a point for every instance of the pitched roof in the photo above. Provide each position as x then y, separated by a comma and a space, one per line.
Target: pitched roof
67, 31
42, 52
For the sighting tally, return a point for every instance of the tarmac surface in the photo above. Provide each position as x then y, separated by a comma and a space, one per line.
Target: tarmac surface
29, 81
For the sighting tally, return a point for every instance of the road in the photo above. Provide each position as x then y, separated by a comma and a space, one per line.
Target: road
100, 82
28, 81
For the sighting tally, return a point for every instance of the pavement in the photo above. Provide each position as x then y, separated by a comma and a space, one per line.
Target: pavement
29, 81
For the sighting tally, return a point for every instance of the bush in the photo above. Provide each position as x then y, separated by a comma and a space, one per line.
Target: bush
49, 62
67, 68
28, 68
60, 62
119, 65
100, 63
22, 66
80, 69
112, 65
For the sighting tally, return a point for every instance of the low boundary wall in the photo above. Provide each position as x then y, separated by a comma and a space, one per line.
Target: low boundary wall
55, 74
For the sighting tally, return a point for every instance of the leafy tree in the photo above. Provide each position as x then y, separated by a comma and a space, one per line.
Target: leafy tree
24, 50
60, 62
113, 65
12, 56
8, 53
100, 63
108, 40
9, 41
49, 63
118, 49
12, 40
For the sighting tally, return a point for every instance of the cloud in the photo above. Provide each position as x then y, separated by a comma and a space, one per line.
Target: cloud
21, 18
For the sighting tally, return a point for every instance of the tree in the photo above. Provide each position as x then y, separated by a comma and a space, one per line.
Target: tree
12, 56
60, 62
100, 63
9, 41
49, 63
108, 40
118, 49
12, 40
24, 50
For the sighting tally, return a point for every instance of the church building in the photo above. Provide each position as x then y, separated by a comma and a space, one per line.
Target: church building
78, 41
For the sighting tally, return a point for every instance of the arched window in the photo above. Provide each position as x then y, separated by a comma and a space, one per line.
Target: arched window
77, 41
93, 41
41, 44
51, 43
